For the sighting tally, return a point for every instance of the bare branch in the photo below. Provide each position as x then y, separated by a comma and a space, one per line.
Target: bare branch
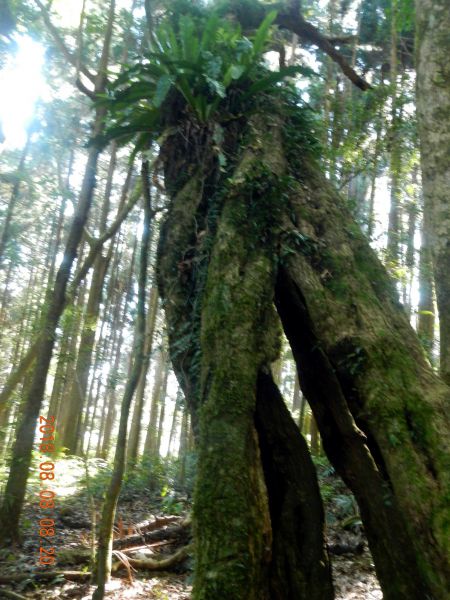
71, 58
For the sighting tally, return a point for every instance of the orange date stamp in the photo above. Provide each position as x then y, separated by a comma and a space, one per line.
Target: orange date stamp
47, 553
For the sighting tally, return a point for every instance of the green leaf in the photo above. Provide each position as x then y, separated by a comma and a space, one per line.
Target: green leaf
262, 34
233, 72
185, 89
216, 87
189, 41
222, 160
162, 89
136, 91
209, 35
213, 64
142, 143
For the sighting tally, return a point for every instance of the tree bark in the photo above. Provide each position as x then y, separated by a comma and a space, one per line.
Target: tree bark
296, 511
222, 328
136, 422
433, 114
380, 409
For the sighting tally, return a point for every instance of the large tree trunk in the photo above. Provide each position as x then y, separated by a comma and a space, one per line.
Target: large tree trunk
433, 113
381, 411
217, 265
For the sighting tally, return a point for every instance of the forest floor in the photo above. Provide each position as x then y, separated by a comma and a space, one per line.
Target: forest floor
353, 571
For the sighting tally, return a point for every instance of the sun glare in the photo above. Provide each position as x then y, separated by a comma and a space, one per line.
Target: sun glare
21, 84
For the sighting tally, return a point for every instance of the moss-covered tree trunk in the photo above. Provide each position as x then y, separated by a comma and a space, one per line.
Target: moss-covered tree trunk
217, 265
381, 411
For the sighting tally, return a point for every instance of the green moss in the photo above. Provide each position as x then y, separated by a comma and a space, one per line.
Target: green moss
239, 334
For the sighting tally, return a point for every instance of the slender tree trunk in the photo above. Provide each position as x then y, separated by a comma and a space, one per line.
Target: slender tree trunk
150, 447
103, 566
136, 423
296, 396
410, 255
314, 437
174, 425
394, 225
71, 326
183, 448
162, 412
110, 408
75, 400
426, 318
373, 180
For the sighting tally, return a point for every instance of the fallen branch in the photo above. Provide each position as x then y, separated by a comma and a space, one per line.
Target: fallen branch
124, 560
155, 564
157, 523
164, 533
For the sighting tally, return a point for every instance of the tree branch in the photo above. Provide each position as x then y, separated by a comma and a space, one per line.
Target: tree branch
71, 58
292, 20
84, 90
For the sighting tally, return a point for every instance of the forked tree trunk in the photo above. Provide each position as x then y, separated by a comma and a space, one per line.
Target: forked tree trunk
381, 411
222, 332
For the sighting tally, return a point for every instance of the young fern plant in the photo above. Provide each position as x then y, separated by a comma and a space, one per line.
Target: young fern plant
199, 59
